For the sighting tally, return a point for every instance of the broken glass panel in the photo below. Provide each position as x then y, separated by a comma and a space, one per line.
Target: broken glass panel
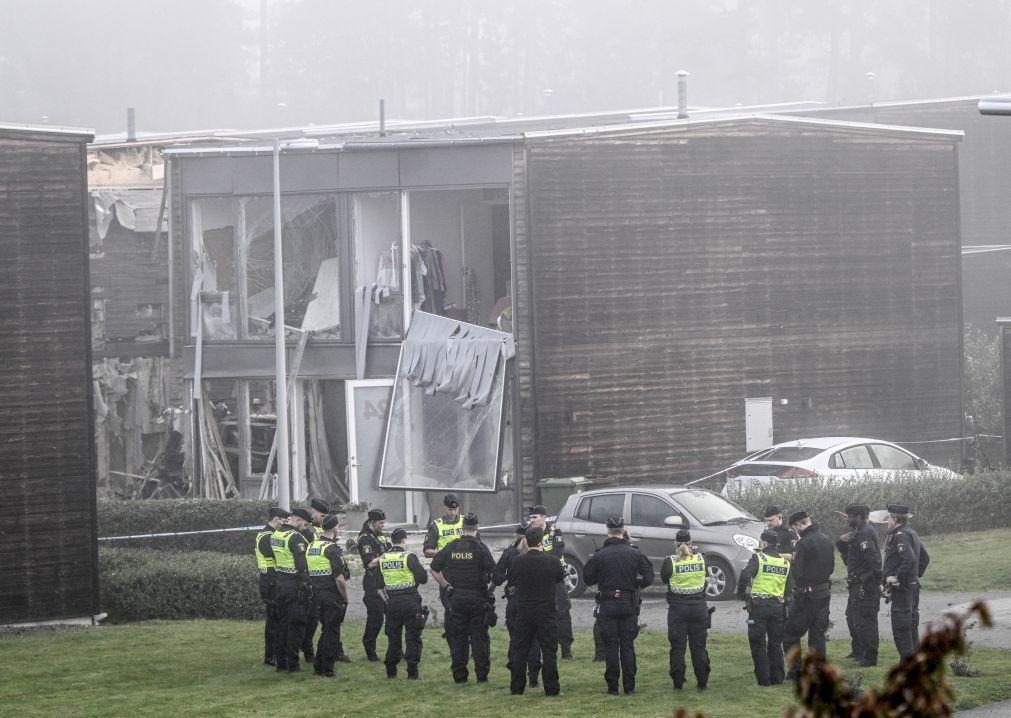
377, 247
213, 266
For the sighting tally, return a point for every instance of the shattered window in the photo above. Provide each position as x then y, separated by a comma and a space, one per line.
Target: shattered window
214, 268
444, 430
220, 430
310, 259
98, 319
379, 298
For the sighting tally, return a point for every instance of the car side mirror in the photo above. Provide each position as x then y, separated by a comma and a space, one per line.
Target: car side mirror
921, 464
674, 521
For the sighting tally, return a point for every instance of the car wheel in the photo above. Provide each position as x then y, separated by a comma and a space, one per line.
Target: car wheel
721, 583
574, 585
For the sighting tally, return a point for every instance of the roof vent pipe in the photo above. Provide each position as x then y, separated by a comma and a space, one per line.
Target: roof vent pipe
131, 125
682, 76
382, 117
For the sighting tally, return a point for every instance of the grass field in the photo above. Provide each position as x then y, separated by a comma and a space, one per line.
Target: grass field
205, 668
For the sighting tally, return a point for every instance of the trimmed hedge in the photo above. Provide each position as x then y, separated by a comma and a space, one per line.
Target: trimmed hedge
939, 505
125, 518
140, 584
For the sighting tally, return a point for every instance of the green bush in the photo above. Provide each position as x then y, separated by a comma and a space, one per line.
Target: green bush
140, 584
940, 505
126, 518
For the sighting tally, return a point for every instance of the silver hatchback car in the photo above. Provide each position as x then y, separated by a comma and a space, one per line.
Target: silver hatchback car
724, 532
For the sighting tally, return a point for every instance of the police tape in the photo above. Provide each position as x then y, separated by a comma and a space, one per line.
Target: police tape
344, 532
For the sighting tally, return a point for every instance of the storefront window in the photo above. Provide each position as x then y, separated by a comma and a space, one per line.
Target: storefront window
214, 268
379, 298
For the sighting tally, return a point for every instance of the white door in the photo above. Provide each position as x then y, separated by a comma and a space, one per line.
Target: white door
368, 401
757, 423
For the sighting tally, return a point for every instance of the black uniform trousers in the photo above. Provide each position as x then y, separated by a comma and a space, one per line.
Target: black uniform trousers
619, 626
766, 621
533, 660
688, 626
564, 606
530, 630
402, 611
467, 632
444, 600
271, 639
331, 608
906, 619
375, 609
809, 614
292, 600
311, 624
862, 606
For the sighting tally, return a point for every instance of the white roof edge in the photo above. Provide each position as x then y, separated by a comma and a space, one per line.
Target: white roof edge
48, 129
903, 103
730, 119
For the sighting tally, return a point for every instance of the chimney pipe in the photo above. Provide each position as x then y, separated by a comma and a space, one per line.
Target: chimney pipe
682, 76
131, 125
382, 117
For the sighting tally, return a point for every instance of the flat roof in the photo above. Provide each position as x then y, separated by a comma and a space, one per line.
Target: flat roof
69, 133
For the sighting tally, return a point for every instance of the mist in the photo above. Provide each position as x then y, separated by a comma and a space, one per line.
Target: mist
200, 64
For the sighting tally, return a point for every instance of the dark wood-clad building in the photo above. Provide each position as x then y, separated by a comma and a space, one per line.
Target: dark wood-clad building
657, 275
48, 543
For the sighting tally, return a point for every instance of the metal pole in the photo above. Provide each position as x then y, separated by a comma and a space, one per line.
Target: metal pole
280, 372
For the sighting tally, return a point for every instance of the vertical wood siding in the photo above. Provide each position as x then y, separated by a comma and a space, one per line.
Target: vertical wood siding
675, 275
47, 544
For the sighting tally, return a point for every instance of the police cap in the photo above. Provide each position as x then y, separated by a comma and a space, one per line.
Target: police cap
302, 514
276, 512
770, 537
798, 516
450, 501
470, 519
683, 536
398, 535
898, 509
537, 509
615, 522
858, 510
330, 522
773, 510
377, 515
320, 506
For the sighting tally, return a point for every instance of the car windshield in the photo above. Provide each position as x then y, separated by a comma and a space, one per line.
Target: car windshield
711, 509
792, 453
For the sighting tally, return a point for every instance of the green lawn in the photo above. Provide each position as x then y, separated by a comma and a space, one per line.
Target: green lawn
977, 561
213, 668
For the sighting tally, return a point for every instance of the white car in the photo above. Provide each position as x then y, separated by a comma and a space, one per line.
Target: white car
832, 457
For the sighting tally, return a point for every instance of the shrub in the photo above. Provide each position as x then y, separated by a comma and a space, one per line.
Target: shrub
140, 584
939, 504
123, 518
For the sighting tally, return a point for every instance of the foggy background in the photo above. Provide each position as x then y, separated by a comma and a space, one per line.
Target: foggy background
198, 64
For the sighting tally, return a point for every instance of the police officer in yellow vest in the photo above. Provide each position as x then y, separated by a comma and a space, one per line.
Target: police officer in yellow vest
293, 589
328, 574
400, 572
318, 511
766, 585
687, 611
268, 584
441, 533
554, 545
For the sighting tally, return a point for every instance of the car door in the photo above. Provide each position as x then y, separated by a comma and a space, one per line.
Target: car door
850, 463
646, 527
894, 462
588, 530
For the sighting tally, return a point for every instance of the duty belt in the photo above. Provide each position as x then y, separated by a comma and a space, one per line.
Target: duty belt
286, 569
766, 597
815, 587
614, 595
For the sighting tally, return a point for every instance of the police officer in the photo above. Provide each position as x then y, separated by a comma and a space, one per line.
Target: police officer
268, 584
684, 572
503, 574
441, 532
293, 590
372, 544
554, 545
860, 552
813, 564
328, 574
787, 539
464, 569
619, 571
535, 575
766, 585
318, 510
906, 560
400, 572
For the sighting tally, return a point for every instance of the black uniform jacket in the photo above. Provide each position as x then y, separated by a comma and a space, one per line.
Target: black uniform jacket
618, 566
536, 577
905, 556
371, 546
466, 564
813, 560
860, 552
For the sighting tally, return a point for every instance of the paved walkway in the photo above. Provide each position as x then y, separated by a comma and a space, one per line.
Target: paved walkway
994, 710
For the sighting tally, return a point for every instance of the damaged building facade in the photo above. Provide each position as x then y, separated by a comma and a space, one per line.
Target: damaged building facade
618, 291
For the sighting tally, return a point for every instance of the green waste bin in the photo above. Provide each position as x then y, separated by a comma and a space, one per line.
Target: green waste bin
554, 492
